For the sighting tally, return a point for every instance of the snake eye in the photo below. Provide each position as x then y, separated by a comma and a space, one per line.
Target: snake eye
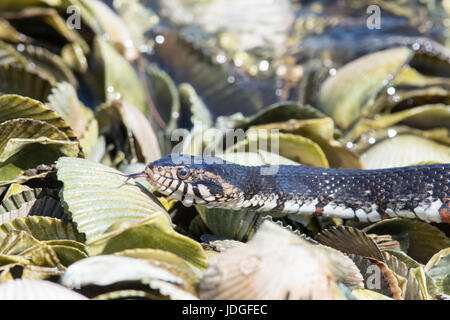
183, 173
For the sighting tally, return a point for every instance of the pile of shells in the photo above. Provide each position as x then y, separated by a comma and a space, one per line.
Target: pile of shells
90, 93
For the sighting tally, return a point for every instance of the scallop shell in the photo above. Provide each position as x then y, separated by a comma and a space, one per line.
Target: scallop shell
106, 270
404, 150
27, 289
33, 202
275, 264
438, 268
352, 91
351, 241
424, 239
164, 93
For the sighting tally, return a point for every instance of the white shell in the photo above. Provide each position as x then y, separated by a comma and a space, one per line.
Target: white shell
275, 264
30, 289
105, 270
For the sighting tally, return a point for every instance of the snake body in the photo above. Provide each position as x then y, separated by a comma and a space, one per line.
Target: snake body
416, 192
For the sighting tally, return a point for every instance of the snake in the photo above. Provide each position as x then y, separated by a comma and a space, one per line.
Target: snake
368, 195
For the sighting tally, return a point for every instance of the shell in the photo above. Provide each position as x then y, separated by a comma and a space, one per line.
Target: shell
351, 241
114, 27
53, 249
291, 146
107, 270
423, 117
138, 135
116, 69
438, 268
43, 228
48, 64
404, 150
349, 93
319, 130
424, 239
164, 257
275, 264
165, 97
27, 289
31, 202
17, 79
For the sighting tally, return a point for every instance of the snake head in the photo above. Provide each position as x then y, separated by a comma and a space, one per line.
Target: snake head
193, 180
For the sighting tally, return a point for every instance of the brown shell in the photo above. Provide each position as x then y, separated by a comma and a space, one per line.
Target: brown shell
351, 241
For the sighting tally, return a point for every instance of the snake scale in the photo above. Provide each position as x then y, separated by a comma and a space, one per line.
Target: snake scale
416, 192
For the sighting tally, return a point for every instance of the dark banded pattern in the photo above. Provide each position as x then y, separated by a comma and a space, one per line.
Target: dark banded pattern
416, 192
